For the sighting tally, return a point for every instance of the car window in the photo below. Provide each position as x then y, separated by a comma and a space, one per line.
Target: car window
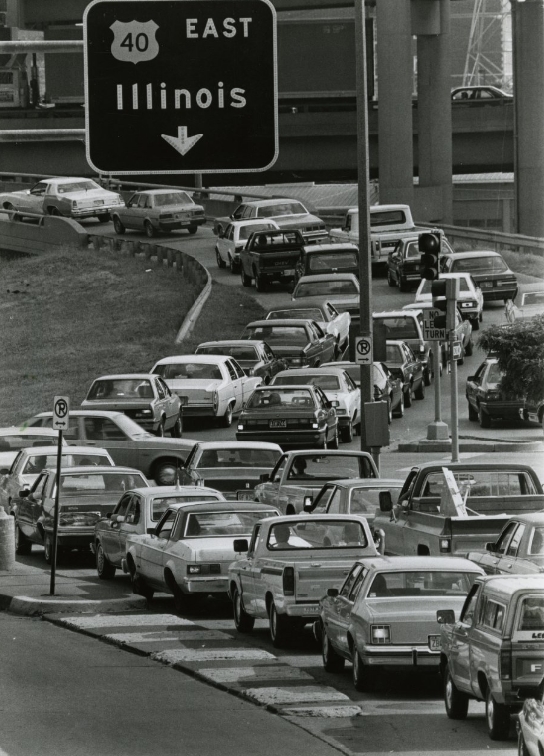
278, 470
254, 540
322, 499
334, 503
102, 429
366, 501
280, 396
164, 528
505, 537
238, 213
516, 539
532, 613
189, 371
400, 327
221, 524
123, 505
39, 188
238, 372
536, 544
358, 582
160, 390
39, 486
493, 615
134, 511
142, 200
316, 534
350, 580
133, 201
232, 371
467, 612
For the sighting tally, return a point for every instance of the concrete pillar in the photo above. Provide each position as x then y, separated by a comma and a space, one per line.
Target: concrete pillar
434, 196
395, 85
529, 115
7, 541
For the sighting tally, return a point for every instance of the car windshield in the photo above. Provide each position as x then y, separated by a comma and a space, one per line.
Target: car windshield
37, 462
325, 288
393, 353
295, 335
366, 501
325, 467
479, 264
423, 583
211, 458
159, 504
399, 328
194, 371
316, 534
221, 524
172, 198
79, 186
246, 231
412, 251
240, 353
426, 288
494, 375
332, 261
281, 208
15, 442
309, 313
287, 399
532, 613
91, 484
121, 388
326, 382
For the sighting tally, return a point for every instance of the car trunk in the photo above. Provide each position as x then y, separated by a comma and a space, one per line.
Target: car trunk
195, 391
318, 573
412, 619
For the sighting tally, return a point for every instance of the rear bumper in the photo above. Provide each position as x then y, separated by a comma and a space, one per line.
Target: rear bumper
503, 292
167, 225
400, 656
309, 611
503, 410
286, 439
199, 410
211, 584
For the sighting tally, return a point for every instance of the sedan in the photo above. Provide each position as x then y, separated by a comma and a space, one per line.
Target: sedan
208, 385
359, 496
342, 289
489, 271
470, 301
463, 330
294, 416
480, 95
288, 213
300, 343
335, 258
387, 387
404, 261
254, 357
339, 389
232, 467
532, 303
403, 364
157, 210
384, 615
233, 239
322, 312
13, 439
484, 396
519, 548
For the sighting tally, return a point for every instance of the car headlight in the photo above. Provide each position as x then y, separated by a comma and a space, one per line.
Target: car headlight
380, 634
240, 426
144, 412
315, 426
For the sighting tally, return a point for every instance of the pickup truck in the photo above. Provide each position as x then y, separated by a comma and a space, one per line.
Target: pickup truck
419, 524
289, 565
270, 256
388, 225
302, 474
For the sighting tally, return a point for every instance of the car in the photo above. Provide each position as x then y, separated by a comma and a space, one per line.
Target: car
387, 387
470, 301
287, 213
360, 496
407, 326
328, 258
208, 385
404, 365
531, 304
143, 397
127, 442
463, 331
293, 416
322, 312
256, 358
487, 268
485, 400
384, 615
155, 210
189, 552
519, 549
339, 389
403, 262
341, 289
233, 239
13, 439
76, 198
232, 467
300, 343
530, 726
480, 95
85, 494
137, 512
29, 463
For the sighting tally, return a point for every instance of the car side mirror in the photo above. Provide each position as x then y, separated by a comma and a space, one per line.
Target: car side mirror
308, 503
241, 545
332, 592
445, 616
473, 379
386, 502
4, 470
23, 493
264, 477
108, 515
117, 518
490, 547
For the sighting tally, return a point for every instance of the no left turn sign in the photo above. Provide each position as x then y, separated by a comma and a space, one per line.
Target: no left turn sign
363, 350
61, 412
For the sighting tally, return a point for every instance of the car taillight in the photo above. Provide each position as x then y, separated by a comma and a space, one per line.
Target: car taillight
380, 634
289, 581
505, 664
445, 545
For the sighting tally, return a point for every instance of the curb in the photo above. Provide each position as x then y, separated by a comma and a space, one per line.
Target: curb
36, 607
192, 316
424, 445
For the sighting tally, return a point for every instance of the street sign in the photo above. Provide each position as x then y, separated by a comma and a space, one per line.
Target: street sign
180, 86
61, 413
430, 333
363, 350
457, 350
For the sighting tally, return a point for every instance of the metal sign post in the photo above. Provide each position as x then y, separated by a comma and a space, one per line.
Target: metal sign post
437, 430
452, 295
61, 416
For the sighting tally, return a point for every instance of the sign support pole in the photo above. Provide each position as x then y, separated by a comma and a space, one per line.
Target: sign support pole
438, 430
56, 519
452, 303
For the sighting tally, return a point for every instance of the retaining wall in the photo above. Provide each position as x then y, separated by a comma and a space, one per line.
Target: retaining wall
44, 233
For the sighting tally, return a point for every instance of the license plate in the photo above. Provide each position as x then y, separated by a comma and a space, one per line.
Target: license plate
98, 202
310, 609
486, 285
277, 423
289, 272
245, 495
434, 643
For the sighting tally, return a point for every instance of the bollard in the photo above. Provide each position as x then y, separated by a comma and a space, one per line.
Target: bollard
179, 261
7, 541
160, 254
170, 257
96, 243
149, 250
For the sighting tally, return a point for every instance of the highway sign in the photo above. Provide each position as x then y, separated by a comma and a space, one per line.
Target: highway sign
430, 333
61, 413
363, 350
180, 86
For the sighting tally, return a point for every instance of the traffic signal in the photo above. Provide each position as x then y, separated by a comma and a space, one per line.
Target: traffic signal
429, 247
438, 290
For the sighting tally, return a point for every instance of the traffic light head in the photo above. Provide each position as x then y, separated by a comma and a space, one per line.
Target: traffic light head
429, 247
438, 291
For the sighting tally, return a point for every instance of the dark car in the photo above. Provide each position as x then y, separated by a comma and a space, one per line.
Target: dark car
484, 396
254, 357
403, 364
403, 262
157, 210
488, 269
407, 325
328, 258
480, 95
301, 343
518, 550
387, 387
291, 416
127, 442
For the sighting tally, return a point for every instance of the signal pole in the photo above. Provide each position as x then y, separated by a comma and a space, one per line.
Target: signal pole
452, 295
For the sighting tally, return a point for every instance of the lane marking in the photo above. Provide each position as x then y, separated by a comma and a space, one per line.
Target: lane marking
310, 660
307, 694
157, 637
132, 620
252, 674
171, 656
323, 712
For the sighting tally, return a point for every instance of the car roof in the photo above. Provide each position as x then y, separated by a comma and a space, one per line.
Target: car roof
321, 370
83, 413
508, 584
254, 222
231, 342
173, 190
280, 322
170, 490
395, 313
238, 445
115, 469
67, 179
303, 304
205, 359
366, 482
92, 451
327, 277
462, 465
29, 431
331, 452
395, 342
333, 247
290, 387
271, 201
532, 518
317, 517
227, 506
124, 376
420, 563
472, 253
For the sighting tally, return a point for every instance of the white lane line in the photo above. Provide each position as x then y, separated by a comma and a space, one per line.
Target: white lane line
171, 656
323, 712
229, 624
157, 637
309, 694
310, 660
131, 620
253, 674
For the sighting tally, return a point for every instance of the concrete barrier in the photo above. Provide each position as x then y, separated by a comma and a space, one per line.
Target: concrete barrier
49, 232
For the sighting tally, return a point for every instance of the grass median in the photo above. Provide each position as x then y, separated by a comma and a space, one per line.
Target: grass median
69, 316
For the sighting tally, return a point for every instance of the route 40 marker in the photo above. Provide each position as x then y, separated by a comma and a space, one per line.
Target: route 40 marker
180, 86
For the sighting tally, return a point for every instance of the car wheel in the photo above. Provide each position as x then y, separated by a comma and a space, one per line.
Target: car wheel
428, 375
408, 396
472, 413
103, 218
23, 546
475, 324
361, 675
246, 280
456, 703
48, 549
390, 280
232, 265
403, 284
192, 229
419, 393
260, 283
347, 433
333, 443
118, 227
399, 411
226, 419
389, 410
177, 429
469, 348
53, 211
139, 586
166, 472
150, 230
280, 627
498, 718
243, 622
220, 262
332, 662
104, 568
160, 429
483, 418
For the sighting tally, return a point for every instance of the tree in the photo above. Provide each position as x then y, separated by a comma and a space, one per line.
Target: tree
519, 348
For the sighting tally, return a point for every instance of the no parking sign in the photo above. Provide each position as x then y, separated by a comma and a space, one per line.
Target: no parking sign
363, 350
61, 413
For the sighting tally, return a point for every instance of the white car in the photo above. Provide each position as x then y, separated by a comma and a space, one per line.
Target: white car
341, 289
13, 439
321, 311
69, 197
208, 385
189, 552
339, 389
234, 238
471, 299
29, 463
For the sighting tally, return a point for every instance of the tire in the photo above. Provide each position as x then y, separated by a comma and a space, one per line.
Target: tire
408, 397
48, 549
219, 260
150, 230
483, 418
260, 283
280, 626
419, 393
118, 227
469, 349
390, 280
192, 229
456, 703
403, 284
104, 568
103, 218
232, 265
428, 376
160, 429
177, 429
472, 413
333, 443
246, 280
476, 324
332, 662
361, 676
399, 412
23, 546
226, 419
140, 587
347, 434
53, 211
165, 473
243, 622
497, 717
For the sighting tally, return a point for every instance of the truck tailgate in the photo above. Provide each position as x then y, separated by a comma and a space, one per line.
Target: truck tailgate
472, 533
313, 579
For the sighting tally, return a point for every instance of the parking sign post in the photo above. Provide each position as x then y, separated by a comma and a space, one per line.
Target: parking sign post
61, 416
